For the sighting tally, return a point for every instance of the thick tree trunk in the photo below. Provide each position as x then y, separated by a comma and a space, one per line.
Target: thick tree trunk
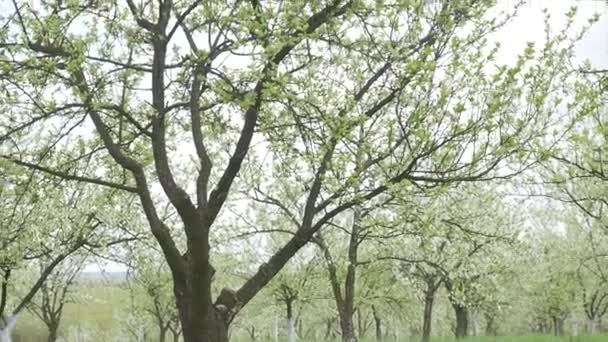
347, 326
462, 321
200, 323
216, 331
53, 330
427, 319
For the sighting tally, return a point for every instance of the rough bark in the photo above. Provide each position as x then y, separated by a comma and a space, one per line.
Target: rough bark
200, 323
53, 330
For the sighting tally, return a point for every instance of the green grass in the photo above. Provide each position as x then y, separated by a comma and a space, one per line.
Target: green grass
535, 338
95, 310
100, 305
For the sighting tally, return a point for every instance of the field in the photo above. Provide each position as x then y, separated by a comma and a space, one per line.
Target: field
98, 316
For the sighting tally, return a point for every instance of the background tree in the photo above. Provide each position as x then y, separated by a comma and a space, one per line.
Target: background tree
151, 291
457, 240
49, 304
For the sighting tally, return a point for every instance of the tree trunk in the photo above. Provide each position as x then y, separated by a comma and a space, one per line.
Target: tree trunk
427, 320
162, 334
359, 323
474, 323
200, 323
276, 329
345, 303
328, 328
291, 326
176, 336
347, 327
378, 323
558, 326
462, 321
490, 325
53, 329
252, 333
593, 326
299, 327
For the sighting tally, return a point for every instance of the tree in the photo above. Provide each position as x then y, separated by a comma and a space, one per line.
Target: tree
576, 170
456, 241
317, 73
7, 328
55, 293
292, 287
151, 291
555, 285
43, 223
587, 241
343, 263
35, 229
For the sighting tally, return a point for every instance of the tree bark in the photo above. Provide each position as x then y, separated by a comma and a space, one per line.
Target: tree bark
593, 325
200, 322
462, 321
291, 326
328, 329
490, 325
427, 320
473, 323
378, 323
345, 301
558, 326
162, 334
53, 330
347, 327
252, 335
348, 303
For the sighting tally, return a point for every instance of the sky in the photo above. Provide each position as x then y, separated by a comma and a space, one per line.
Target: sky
527, 26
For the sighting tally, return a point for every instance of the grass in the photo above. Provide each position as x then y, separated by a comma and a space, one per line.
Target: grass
94, 310
534, 338
100, 305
